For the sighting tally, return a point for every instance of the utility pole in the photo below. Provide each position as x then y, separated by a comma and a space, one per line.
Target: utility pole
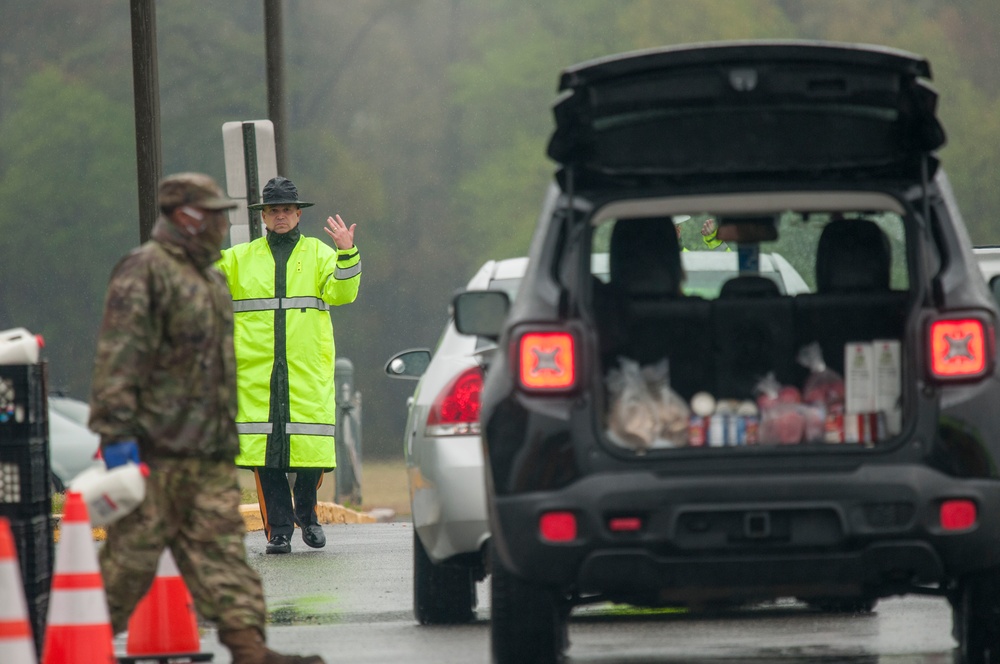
146, 93
274, 51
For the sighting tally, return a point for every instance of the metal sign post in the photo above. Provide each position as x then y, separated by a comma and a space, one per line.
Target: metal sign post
250, 161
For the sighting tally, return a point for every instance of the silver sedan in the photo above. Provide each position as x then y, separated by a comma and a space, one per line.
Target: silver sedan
444, 462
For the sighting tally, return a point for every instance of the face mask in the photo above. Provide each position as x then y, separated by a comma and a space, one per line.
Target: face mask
211, 230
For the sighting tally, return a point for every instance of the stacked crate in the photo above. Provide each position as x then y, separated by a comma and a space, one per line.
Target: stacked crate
25, 482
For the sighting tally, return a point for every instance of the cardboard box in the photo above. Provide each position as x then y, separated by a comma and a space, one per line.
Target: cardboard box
859, 378
888, 382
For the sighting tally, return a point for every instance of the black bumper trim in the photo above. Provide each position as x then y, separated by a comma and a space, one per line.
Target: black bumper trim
637, 575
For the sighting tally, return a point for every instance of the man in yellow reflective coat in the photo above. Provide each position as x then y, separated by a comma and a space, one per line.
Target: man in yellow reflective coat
709, 235
283, 286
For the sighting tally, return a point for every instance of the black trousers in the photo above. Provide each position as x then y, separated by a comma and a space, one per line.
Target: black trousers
275, 499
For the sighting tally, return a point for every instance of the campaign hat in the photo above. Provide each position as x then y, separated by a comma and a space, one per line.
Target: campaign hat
279, 191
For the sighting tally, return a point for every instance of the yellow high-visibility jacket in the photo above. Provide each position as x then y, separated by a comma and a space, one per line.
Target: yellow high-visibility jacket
287, 408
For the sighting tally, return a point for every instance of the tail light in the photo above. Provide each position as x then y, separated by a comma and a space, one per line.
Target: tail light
456, 410
957, 514
557, 526
961, 349
547, 361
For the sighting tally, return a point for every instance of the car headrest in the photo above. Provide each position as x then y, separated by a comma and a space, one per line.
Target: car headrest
749, 285
852, 256
644, 257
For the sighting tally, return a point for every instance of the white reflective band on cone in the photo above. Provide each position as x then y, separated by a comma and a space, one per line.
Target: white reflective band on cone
71, 536
17, 652
9, 610
87, 606
167, 565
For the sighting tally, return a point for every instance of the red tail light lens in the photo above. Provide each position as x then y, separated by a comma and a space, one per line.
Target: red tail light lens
557, 526
547, 361
456, 410
958, 514
960, 349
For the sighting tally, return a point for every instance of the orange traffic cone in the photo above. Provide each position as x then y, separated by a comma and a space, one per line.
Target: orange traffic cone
79, 626
16, 643
163, 626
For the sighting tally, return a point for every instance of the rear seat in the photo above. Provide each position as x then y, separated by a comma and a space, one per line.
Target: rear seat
753, 335
728, 345
642, 314
853, 301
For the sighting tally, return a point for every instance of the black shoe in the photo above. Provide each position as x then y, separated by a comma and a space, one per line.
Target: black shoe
314, 536
279, 544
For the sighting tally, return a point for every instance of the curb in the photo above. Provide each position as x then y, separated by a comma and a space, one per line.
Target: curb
328, 513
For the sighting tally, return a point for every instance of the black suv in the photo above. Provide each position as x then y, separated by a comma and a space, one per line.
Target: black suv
660, 445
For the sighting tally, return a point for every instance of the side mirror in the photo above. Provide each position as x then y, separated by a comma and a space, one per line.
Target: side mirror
409, 364
480, 313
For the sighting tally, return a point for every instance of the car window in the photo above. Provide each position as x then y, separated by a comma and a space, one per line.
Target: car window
789, 260
508, 286
799, 239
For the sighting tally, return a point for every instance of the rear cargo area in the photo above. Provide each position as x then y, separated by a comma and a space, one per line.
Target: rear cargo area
793, 340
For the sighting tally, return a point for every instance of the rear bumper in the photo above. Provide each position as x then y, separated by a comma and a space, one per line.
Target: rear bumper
644, 578
873, 531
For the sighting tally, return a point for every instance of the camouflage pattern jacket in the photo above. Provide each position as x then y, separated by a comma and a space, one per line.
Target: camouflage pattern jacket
165, 368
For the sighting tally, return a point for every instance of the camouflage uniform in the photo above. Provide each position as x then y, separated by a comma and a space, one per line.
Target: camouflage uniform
165, 376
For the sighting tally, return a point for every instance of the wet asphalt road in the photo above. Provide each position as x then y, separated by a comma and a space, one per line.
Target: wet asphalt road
351, 602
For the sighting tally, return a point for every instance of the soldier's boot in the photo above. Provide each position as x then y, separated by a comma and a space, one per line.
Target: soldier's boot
247, 647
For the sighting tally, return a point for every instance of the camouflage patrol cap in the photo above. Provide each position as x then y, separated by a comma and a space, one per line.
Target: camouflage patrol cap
195, 189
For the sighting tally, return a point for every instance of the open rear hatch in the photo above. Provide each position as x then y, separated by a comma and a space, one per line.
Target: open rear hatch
748, 109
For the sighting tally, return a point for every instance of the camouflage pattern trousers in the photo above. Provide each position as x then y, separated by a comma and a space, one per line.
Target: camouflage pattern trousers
192, 508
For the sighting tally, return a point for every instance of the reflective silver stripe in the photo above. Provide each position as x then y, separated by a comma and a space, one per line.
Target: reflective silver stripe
347, 272
265, 304
290, 427
272, 303
304, 302
310, 429
253, 427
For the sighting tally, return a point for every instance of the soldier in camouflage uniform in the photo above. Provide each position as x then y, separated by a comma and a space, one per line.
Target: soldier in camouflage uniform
165, 377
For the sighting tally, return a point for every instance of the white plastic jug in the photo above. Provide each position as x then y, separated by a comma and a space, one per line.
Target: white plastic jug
18, 346
111, 493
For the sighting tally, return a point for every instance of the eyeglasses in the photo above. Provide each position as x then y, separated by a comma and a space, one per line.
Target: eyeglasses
275, 210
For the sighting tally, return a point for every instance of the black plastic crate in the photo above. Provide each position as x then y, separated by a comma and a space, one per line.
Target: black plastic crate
23, 402
35, 546
38, 610
25, 476
33, 538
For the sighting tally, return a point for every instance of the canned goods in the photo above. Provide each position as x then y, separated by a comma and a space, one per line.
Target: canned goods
735, 430
697, 433
752, 430
717, 427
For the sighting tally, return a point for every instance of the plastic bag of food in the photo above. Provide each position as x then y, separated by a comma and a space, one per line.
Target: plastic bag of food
782, 424
814, 423
672, 411
633, 418
782, 419
766, 392
823, 385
